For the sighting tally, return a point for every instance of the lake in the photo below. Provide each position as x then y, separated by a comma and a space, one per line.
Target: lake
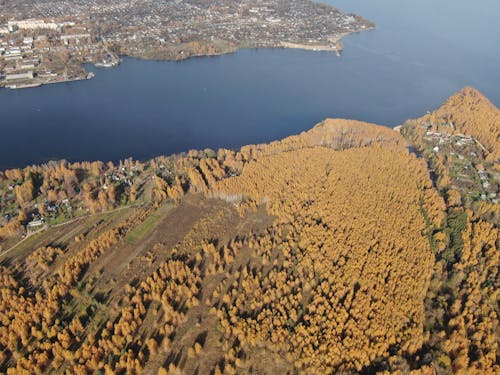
420, 53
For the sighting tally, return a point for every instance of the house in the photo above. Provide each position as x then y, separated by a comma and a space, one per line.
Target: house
28, 41
35, 225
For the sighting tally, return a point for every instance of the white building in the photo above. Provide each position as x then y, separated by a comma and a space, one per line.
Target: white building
76, 37
13, 58
27, 66
33, 24
13, 51
16, 76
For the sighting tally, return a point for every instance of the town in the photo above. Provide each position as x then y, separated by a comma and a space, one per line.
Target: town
35, 52
48, 42
458, 158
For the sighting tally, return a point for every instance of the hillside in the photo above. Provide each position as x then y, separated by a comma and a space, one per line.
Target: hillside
461, 141
336, 250
471, 113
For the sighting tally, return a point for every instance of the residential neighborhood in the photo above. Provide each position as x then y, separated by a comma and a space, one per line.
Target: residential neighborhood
462, 157
47, 42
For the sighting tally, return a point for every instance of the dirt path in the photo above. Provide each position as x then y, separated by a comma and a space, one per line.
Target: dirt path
61, 225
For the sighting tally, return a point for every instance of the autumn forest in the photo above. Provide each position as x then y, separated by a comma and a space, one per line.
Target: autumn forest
349, 248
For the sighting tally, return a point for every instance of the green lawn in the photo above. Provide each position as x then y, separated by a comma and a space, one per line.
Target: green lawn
139, 232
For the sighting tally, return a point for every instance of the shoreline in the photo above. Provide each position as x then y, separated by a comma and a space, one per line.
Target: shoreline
35, 84
336, 46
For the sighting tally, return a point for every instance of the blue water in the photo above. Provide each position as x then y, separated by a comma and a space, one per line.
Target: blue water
420, 53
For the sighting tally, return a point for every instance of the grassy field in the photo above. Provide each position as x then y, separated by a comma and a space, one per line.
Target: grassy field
147, 226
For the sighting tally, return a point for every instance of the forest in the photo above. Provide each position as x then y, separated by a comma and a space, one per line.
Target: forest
350, 248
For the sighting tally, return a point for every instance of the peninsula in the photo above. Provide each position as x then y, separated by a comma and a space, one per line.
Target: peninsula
48, 41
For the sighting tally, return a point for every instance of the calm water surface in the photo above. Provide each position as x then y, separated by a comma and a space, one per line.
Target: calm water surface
420, 53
